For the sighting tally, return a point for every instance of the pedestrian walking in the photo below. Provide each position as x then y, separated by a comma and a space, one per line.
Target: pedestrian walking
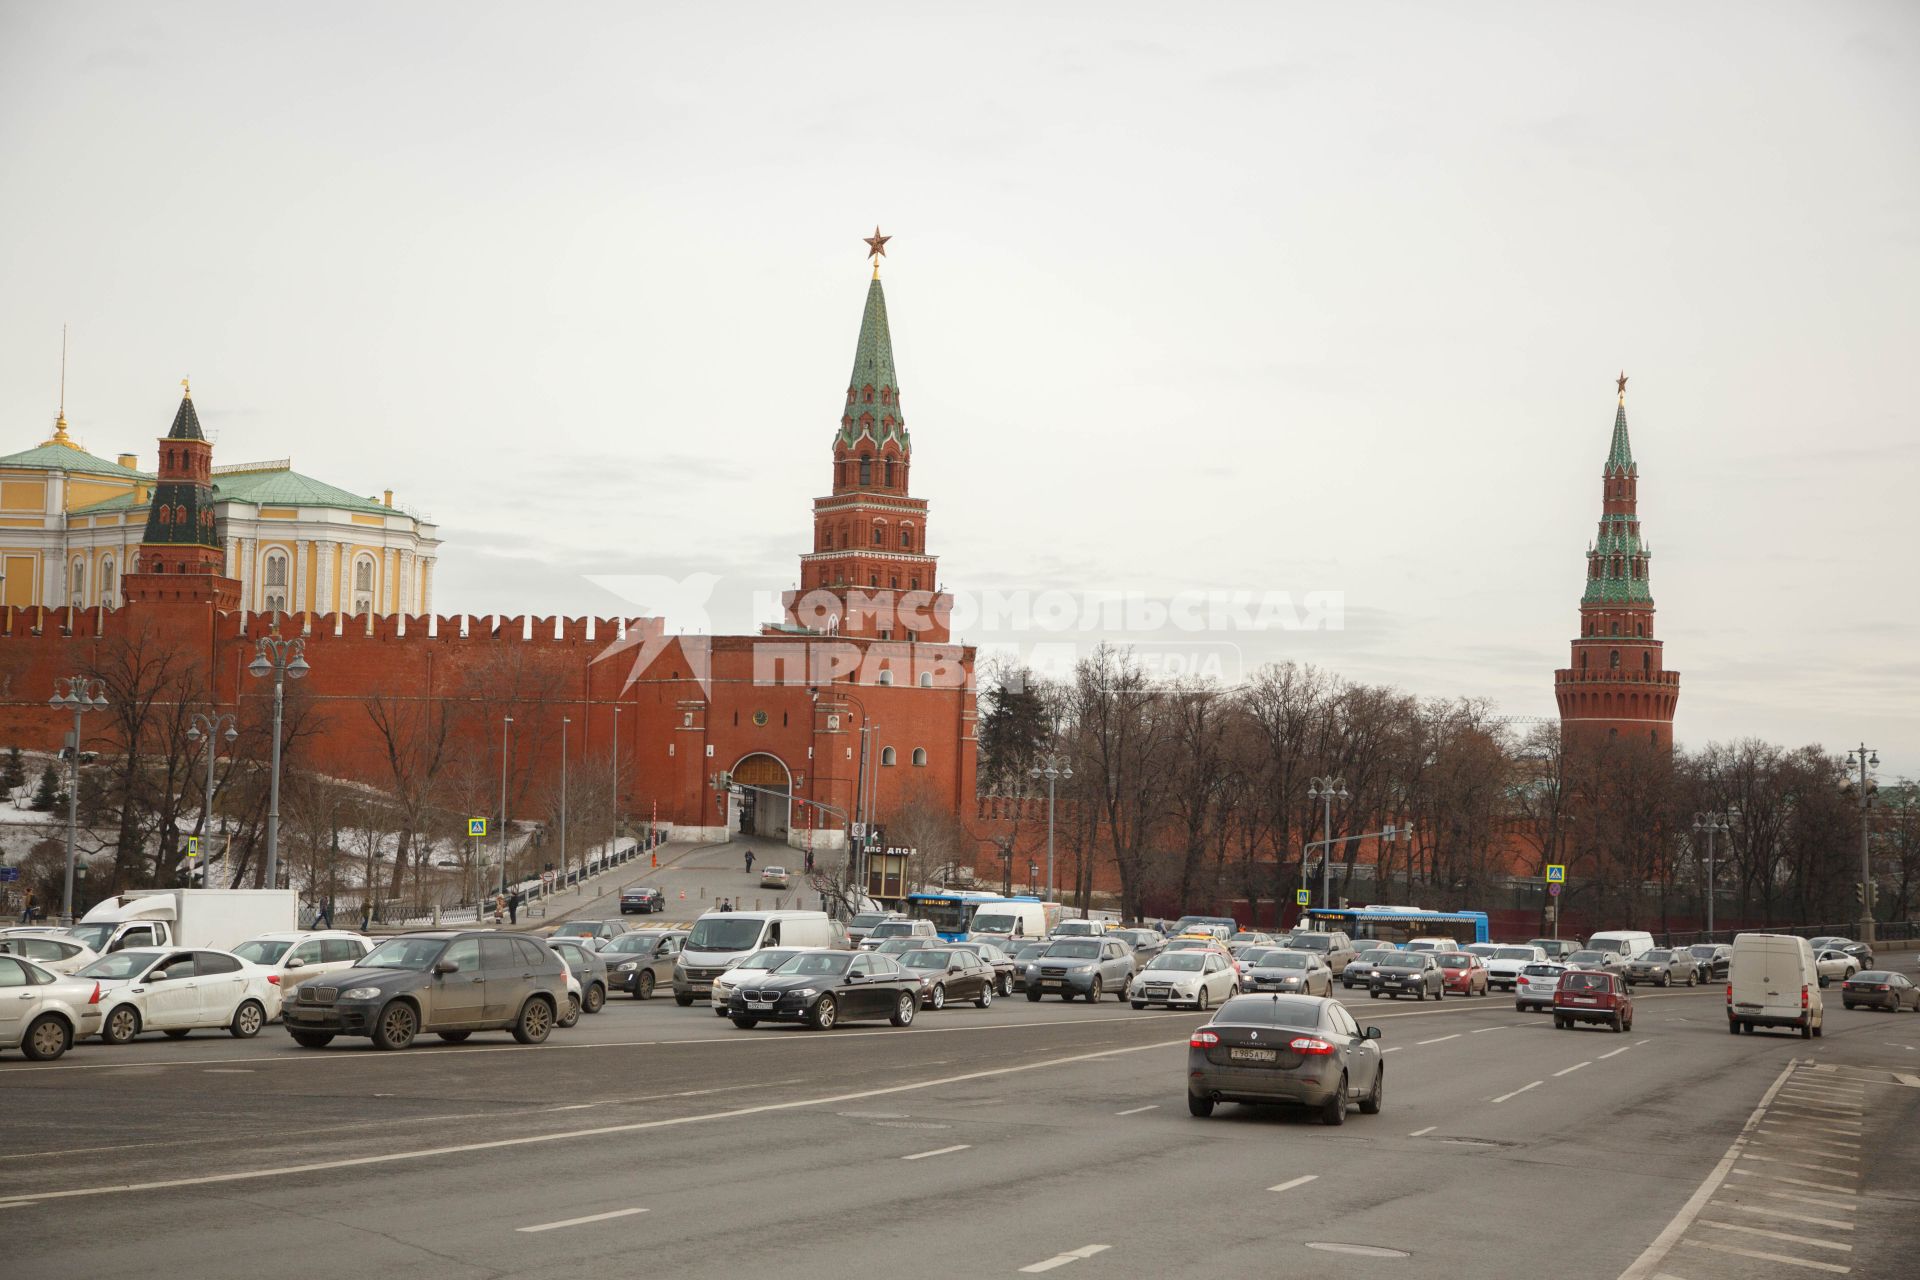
326, 915
749, 862
513, 908
809, 862
499, 908
28, 911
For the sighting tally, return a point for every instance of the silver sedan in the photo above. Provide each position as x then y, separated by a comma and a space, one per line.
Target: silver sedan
1291, 972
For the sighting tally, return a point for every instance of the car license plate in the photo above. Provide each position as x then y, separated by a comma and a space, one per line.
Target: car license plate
1053, 982
759, 1004
1254, 1055
1158, 993
1581, 1000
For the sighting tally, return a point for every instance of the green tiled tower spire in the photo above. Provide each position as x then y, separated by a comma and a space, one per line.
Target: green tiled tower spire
873, 392
182, 510
1618, 561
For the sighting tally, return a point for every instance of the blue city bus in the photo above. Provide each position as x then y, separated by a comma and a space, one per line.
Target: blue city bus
951, 911
1398, 924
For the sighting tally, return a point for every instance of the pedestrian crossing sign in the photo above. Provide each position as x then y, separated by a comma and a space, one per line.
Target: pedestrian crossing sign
476, 827
1556, 873
1301, 897
193, 846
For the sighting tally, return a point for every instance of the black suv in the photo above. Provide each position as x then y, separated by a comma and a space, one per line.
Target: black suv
450, 983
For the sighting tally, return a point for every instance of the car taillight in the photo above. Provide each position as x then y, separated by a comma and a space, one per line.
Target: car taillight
1803, 998
1729, 993
95, 997
1878, 987
1203, 1040
1523, 980
1309, 1045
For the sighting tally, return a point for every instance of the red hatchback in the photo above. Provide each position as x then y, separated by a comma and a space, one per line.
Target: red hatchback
1463, 973
1585, 995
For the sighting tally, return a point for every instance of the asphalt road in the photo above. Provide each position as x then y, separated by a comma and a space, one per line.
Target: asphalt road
988, 1142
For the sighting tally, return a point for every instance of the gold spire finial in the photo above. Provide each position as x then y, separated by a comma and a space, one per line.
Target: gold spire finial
60, 419
877, 248
186, 392
1621, 384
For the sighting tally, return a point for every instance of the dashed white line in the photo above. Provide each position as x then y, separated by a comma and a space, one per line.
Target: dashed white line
1062, 1259
1616, 1053
1769, 1257
1153, 1106
1437, 1039
1773, 1212
1801, 1198
1517, 1092
1788, 1236
1798, 1134
1795, 1182
1483, 1030
939, 1151
1797, 1164
1570, 1070
1397, 1048
578, 1222
1421, 1133
1771, 1145
1301, 1181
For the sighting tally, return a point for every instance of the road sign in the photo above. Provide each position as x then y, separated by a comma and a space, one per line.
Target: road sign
476, 827
1554, 889
1556, 873
193, 846
1301, 897
9, 873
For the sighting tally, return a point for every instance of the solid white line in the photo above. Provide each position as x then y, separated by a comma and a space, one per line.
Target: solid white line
572, 1106
1421, 1133
1797, 1182
1655, 1253
1769, 1257
942, 1151
1296, 1182
1778, 1235
569, 1135
575, 1222
1517, 1092
1616, 1053
18, 1204
1570, 1070
1137, 1110
1437, 1039
1773, 1212
1062, 1259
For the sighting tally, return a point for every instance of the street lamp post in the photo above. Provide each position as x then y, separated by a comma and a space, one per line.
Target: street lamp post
564, 722
81, 694
209, 725
1864, 758
1709, 824
613, 841
1326, 790
1054, 768
506, 726
284, 659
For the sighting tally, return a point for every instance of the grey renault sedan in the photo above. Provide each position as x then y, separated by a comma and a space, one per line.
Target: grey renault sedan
1303, 1050
450, 983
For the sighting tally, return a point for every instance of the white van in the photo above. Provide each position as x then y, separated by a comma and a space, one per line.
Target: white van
1628, 944
720, 939
1772, 982
1009, 923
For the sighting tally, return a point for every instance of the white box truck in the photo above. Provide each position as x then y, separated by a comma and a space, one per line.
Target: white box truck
217, 918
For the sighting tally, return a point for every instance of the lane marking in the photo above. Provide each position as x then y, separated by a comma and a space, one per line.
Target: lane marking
571, 1135
1788, 1236
1815, 1200
1421, 1133
1796, 1132
1772, 1212
1570, 1070
1772, 1145
1638, 1043
1616, 1053
1798, 1164
1437, 1039
1770, 1257
940, 1151
574, 1106
1137, 1110
1912, 1082
1483, 1030
576, 1222
1797, 1182
1643, 1267
1301, 1181
1397, 1048
1062, 1259
1522, 1089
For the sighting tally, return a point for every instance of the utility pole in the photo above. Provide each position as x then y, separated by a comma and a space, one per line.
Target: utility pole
284, 660
1327, 790
506, 727
208, 725
1708, 824
564, 722
1865, 758
81, 694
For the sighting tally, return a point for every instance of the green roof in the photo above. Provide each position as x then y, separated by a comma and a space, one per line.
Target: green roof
873, 367
1620, 453
186, 423
65, 457
279, 487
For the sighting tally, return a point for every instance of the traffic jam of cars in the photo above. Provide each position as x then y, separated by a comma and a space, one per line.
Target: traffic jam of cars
1273, 1031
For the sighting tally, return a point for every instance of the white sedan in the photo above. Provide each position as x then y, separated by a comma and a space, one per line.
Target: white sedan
1835, 966
296, 957
41, 1012
176, 991
50, 949
1198, 978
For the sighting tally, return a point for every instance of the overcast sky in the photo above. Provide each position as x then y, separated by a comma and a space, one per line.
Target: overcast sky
1264, 297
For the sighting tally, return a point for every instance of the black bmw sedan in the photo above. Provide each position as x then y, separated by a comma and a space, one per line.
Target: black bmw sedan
825, 988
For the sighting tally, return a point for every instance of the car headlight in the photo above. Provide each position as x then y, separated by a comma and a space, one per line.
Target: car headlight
361, 993
628, 967
1083, 968
807, 993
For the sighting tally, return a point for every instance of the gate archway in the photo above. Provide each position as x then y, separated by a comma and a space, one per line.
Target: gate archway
761, 814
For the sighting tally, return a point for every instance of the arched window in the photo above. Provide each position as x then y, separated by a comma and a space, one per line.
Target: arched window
1615, 630
273, 579
826, 539
926, 679
1613, 660
106, 582
886, 755
1640, 628
920, 756
906, 537
879, 533
79, 584
866, 469
1646, 663
884, 678
889, 473
1583, 659
363, 585
913, 583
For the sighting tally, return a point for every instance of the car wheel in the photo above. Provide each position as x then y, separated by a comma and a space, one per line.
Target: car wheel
175, 1033
1666, 980
396, 1026
1733, 1028
1519, 1008
247, 1020
1201, 1107
1202, 1001
1370, 1105
683, 1001
1373, 995
903, 1010
645, 990
453, 1037
121, 1026
1818, 1028
46, 1039
825, 1010
572, 1015
313, 1039
1335, 1110
1806, 1031
939, 998
535, 1021
985, 999
1093, 992
1693, 979
1033, 995
746, 1024
1139, 1004
1421, 994
1006, 987
596, 998
1619, 1024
